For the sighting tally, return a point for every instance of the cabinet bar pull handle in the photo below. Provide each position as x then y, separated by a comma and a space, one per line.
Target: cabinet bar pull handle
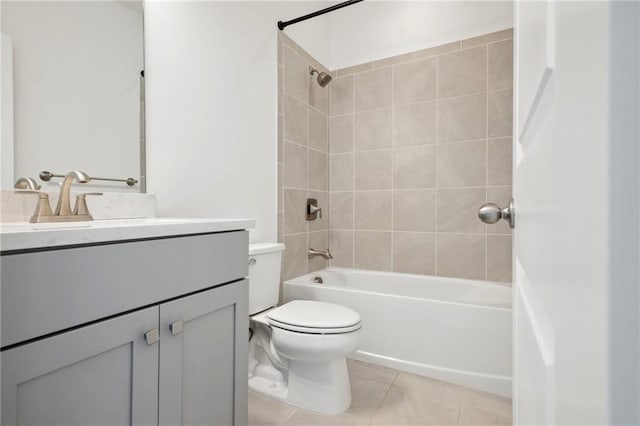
176, 328
152, 336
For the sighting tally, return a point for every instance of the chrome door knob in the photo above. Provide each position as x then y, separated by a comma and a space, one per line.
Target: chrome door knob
491, 213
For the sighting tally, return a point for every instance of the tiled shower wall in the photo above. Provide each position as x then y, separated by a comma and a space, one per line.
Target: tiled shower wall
303, 160
413, 145
418, 142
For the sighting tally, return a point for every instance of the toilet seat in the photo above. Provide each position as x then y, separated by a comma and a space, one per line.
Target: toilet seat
313, 317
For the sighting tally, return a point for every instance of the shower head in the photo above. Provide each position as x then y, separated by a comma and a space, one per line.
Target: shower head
323, 78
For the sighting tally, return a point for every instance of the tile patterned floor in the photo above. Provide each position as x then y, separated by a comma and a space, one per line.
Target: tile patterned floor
382, 396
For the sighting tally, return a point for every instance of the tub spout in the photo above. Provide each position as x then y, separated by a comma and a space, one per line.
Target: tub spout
324, 253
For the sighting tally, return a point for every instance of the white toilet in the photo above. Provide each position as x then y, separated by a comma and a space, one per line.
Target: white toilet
297, 350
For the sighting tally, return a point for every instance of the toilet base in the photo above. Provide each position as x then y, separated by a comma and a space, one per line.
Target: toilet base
321, 387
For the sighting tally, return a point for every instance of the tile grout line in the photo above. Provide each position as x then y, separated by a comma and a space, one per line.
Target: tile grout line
353, 168
435, 173
392, 239
486, 164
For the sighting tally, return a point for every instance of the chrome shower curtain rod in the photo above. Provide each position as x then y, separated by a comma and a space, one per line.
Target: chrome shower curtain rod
283, 24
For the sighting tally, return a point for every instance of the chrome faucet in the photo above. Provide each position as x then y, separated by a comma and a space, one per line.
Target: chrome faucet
64, 203
324, 253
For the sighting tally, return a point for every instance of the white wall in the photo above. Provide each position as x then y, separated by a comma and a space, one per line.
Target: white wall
76, 87
378, 29
211, 74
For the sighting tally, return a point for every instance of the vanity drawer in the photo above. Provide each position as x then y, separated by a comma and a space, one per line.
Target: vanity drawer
44, 292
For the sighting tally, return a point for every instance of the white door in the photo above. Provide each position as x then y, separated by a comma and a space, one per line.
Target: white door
564, 104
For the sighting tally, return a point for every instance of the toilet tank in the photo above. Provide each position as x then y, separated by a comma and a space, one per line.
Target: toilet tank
264, 275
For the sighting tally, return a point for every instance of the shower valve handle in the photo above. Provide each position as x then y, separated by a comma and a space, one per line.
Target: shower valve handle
491, 213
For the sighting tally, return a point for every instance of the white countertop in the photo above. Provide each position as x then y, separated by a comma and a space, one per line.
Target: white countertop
22, 235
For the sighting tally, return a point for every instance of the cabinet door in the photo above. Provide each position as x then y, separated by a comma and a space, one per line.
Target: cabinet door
100, 374
203, 357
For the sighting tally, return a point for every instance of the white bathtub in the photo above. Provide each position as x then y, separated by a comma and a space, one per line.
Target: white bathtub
449, 329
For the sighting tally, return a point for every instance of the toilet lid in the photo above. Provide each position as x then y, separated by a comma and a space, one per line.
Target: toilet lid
314, 317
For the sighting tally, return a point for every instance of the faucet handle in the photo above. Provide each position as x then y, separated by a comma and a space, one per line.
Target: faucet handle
81, 208
43, 208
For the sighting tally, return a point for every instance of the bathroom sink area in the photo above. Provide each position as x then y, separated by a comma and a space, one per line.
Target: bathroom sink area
24, 235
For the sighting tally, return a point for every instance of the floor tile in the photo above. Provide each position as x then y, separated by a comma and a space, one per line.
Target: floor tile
264, 411
371, 371
487, 402
476, 417
403, 406
309, 418
366, 396
435, 391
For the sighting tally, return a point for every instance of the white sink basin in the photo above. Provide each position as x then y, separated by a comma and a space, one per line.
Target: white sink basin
25, 236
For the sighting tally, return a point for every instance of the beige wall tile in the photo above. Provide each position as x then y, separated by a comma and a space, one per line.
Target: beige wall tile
341, 246
500, 113
295, 165
398, 59
499, 161
296, 75
414, 210
462, 72
501, 196
280, 51
294, 211
414, 253
280, 226
500, 66
341, 134
286, 40
318, 95
462, 164
318, 131
321, 223
318, 170
488, 38
373, 170
341, 172
373, 89
280, 136
373, 210
341, 95
414, 124
280, 186
280, 89
318, 240
437, 50
463, 118
461, 256
414, 82
499, 258
295, 256
414, 167
354, 69
458, 210
295, 120
341, 210
373, 129
372, 250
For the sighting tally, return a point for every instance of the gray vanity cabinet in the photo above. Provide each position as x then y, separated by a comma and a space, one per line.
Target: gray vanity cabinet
201, 337
101, 374
168, 347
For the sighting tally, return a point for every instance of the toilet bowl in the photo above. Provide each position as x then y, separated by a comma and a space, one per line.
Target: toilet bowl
297, 352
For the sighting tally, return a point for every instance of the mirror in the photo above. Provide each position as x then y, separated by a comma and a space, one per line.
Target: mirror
73, 91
